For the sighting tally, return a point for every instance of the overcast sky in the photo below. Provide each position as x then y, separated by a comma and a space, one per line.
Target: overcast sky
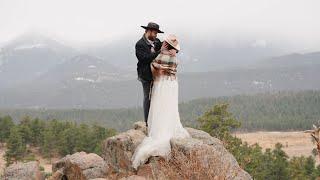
294, 21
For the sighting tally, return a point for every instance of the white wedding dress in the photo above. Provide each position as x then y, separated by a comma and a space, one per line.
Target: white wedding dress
163, 122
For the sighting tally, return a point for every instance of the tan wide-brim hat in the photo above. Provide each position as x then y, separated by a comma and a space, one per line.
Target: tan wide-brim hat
173, 41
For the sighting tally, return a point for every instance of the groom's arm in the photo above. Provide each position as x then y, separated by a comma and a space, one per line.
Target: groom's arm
162, 67
143, 54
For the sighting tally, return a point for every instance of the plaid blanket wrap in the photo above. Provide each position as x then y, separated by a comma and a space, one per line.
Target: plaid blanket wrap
168, 61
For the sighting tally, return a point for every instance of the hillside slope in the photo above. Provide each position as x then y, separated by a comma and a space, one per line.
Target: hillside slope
264, 111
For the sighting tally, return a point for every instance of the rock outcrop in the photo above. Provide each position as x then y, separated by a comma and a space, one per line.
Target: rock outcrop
118, 150
198, 157
23, 171
79, 166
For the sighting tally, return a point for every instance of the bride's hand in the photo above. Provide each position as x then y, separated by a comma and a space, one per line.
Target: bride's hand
172, 52
164, 46
162, 67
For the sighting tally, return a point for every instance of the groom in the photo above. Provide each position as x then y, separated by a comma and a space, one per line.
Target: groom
147, 49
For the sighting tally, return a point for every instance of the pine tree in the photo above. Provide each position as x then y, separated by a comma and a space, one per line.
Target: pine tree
37, 128
25, 130
6, 124
49, 143
280, 169
16, 148
68, 141
218, 122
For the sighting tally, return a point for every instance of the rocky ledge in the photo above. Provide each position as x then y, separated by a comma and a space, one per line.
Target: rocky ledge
23, 171
198, 157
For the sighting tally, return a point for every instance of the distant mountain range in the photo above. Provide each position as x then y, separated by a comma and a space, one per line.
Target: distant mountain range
28, 57
36, 71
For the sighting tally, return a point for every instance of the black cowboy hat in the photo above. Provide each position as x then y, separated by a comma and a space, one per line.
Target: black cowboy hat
152, 25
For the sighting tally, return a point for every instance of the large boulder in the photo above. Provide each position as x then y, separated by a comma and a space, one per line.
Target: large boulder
199, 157
209, 160
118, 150
23, 171
133, 177
79, 166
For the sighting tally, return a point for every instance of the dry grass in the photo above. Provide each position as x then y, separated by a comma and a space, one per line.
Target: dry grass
296, 143
181, 166
2, 159
46, 163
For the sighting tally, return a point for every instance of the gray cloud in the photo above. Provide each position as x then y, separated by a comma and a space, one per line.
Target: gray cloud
293, 21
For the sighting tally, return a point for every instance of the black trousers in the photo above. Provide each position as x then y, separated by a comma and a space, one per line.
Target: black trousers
146, 100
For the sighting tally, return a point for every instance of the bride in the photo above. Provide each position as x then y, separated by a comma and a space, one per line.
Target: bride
163, 119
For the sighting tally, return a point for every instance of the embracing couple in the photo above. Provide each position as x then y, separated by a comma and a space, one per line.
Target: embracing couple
157, 68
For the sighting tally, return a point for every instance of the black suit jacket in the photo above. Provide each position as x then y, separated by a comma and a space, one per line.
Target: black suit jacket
145, 57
